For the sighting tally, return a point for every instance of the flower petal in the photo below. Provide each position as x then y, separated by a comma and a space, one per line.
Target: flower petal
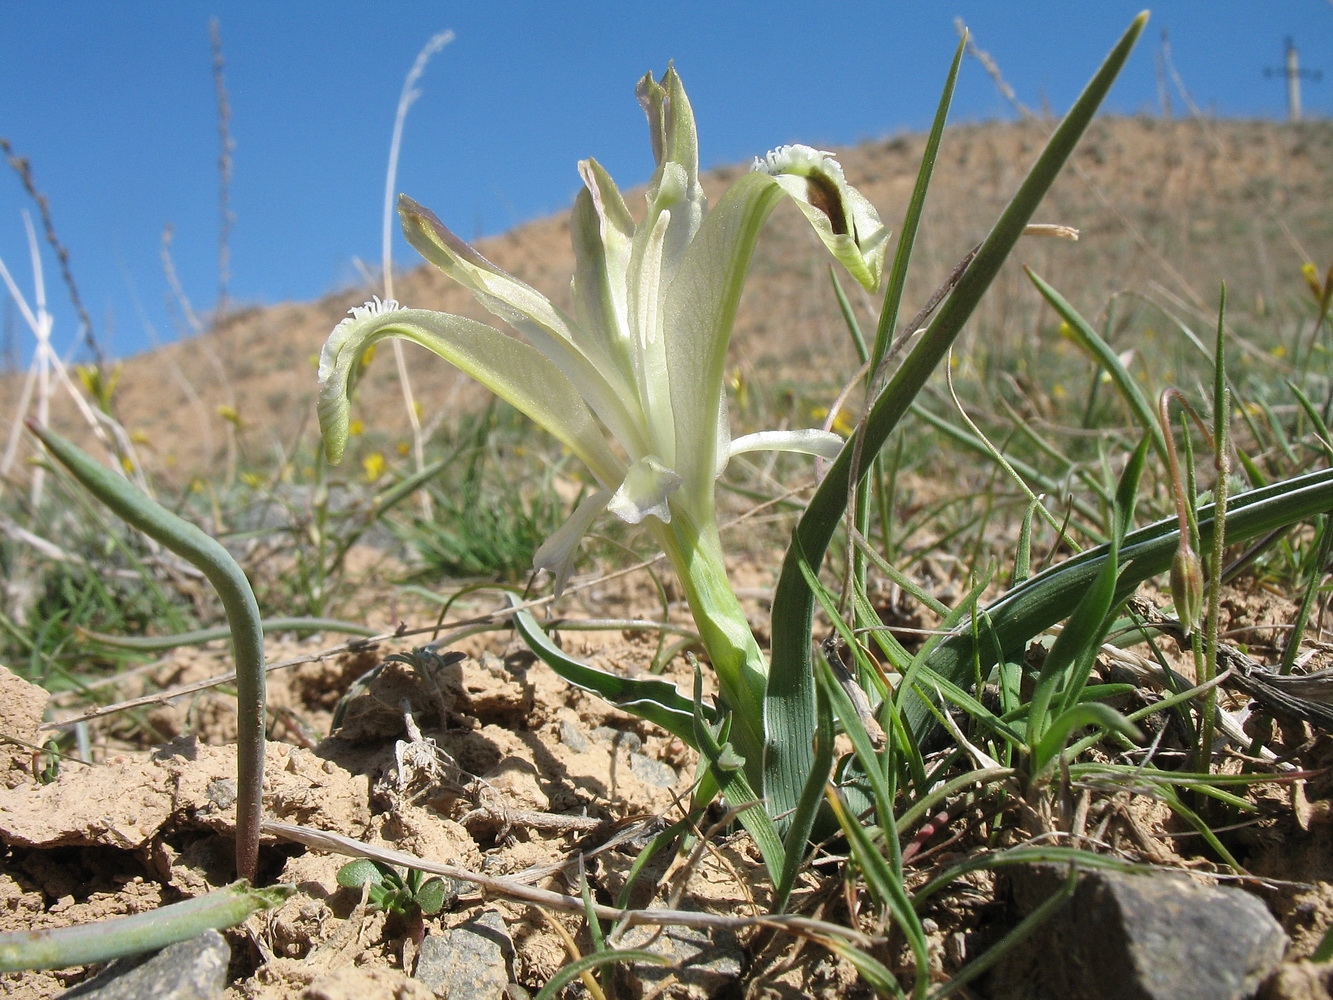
700, 310
703, 297
645, 491
821, 444
846, 222
529, 312
558, 552
511, 369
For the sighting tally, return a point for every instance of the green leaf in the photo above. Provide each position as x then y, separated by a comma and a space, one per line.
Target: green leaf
61, 947
1045, 599
227, 578
431, 896
1090, 713
656, 700
356, 874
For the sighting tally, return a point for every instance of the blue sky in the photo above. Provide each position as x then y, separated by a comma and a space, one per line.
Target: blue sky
114, 106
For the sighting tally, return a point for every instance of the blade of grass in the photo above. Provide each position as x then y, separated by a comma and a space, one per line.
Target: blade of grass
1090, 341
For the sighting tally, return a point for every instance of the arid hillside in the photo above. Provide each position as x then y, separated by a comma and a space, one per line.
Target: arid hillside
1167, 209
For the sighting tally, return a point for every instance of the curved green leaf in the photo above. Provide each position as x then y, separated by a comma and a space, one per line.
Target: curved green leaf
658, 701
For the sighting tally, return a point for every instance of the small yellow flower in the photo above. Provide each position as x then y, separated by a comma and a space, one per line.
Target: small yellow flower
374, 466
1311, 275
1278, 351
843, 422
1058, 391
252, 479
140, 437
356, 428
739, 386
1067, 332
229, 414
404, 448
126, 463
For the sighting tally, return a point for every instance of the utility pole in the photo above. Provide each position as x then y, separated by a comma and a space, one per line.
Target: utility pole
1161, 59
1293, 72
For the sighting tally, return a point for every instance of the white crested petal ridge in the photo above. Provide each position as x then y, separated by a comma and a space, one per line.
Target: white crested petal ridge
513, 370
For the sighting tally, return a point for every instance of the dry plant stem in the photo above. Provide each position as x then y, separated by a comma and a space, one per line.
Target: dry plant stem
1186, 572
24, 170
508, 888
238, 600
405, 100
225, 145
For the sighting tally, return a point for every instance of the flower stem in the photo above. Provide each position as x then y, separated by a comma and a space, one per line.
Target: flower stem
695, 551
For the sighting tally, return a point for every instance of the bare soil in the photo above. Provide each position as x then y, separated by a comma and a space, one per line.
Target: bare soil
517, 774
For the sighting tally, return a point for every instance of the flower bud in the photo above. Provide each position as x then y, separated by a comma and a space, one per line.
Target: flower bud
1187, 586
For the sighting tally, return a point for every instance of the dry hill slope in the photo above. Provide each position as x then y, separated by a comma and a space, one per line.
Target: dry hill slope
1168, 209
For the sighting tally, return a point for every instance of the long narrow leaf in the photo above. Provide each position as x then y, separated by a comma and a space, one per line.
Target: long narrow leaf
60, 947
1049, 597
789, 705
655, 700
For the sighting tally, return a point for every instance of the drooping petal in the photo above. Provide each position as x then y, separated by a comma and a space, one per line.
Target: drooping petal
846, 222
647, 487
511, 369
702, 300
528, 311
821, 444
558, 552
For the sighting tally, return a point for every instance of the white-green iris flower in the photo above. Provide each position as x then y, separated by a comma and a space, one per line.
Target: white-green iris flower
632, 381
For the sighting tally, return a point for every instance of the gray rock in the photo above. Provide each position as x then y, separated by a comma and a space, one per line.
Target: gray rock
1138, 937
702, 962
572, 737
653, 772
188, 970
621, 739
468, 962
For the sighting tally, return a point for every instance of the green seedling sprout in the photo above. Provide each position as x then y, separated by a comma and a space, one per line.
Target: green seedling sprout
238, 600
410, 896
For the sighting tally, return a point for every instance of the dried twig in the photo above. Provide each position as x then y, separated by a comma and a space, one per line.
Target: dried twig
507, 888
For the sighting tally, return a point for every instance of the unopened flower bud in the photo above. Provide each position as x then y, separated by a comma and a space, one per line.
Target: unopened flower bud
1187, 586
